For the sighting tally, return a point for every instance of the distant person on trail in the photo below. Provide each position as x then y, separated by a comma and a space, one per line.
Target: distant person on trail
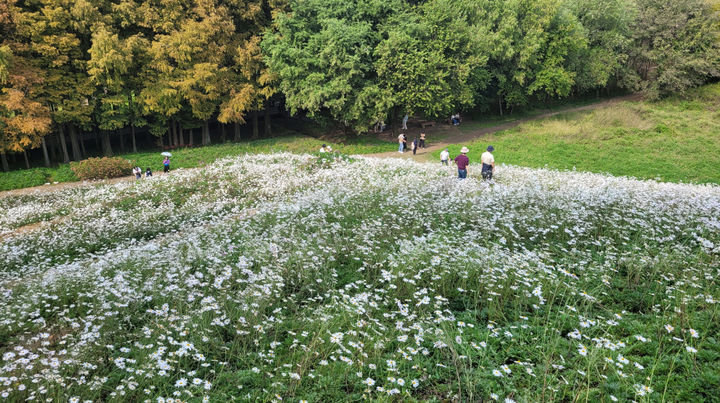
462, 161
415, 144
488, 163
422, 140
455, 119
148, 172
400, 143
404, 122
138, 172
444, 157
325, 149
405, 146
166, 165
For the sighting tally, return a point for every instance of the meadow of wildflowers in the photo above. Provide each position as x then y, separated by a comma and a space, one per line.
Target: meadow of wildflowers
305, 278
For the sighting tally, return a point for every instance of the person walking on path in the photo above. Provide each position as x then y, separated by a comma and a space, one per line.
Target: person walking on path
400, 143
138, 172
488, 163
404, 122
166, 164
405, 146
422, 140
415, 145
462, 161
444, 157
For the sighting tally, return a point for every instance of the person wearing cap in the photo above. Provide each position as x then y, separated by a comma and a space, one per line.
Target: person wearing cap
488, 163
462, 161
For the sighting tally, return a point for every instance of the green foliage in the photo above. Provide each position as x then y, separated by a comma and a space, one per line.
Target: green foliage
675, 46
323, 54
101, 168
432, 62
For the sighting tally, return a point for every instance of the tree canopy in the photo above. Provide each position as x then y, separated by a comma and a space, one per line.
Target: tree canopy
108, 67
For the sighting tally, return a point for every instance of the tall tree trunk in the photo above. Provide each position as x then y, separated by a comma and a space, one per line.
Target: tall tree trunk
106, 146
393, 120
255, 134
53, 148
63, 146
176, 139
97, 139
268, 128
132, 121
77, 155
206, 133
27, 163
5, 165
45, 153
223, 137
81, 140
122, 139
237, 131
172, 132
132, 136
500, 105
190, 133
180, 133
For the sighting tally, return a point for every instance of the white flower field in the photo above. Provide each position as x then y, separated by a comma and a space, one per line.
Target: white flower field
305, 278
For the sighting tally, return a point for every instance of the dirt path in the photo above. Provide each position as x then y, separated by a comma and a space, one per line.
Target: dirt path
456, 136
36, 190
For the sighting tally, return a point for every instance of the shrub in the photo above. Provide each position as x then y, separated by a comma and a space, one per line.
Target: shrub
101, 168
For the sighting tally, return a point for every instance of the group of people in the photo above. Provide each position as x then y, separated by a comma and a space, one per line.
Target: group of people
462, 161
416, 144
138, 172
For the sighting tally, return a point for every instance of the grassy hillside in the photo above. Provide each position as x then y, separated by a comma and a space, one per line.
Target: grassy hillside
297, 277
676, 140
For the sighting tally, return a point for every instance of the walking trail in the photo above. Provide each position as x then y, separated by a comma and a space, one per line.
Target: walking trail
454, 135
449, 135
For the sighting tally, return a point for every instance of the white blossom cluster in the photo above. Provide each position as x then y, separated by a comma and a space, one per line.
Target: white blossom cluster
296, 277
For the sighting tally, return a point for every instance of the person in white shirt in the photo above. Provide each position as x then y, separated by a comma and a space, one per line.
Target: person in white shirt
444, 157
401, 139
325, 149
488, 163
404, 121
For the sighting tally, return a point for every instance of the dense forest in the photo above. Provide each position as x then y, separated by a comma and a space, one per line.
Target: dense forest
123, 72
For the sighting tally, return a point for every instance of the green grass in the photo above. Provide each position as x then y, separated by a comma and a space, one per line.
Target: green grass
677, 140
195, 157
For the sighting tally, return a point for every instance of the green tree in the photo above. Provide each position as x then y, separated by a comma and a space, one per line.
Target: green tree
606, 25
433, 60
116, 66
323, 53
533, 42
675, 45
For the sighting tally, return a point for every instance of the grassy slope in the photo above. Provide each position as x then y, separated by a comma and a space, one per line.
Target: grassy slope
676, 140
194, 157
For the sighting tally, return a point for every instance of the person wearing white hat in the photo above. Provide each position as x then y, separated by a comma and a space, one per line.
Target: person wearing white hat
462, 161
488, 163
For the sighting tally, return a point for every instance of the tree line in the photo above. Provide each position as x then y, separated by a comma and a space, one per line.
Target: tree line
163, 68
